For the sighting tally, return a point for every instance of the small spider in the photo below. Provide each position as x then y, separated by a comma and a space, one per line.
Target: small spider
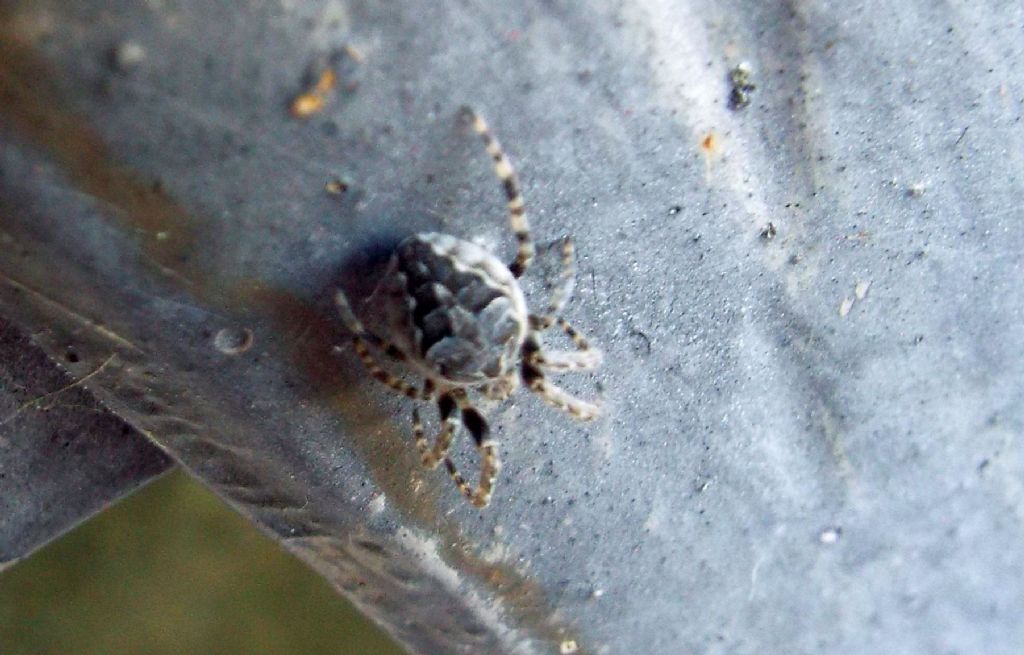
456, 315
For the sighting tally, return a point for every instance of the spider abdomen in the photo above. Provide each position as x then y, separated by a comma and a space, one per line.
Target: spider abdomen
453, 308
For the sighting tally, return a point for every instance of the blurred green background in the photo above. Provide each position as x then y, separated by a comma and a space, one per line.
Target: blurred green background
173, 570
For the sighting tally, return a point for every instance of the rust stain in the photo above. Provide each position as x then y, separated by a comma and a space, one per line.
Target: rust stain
385, 444
312, 337
524, 598
32, 106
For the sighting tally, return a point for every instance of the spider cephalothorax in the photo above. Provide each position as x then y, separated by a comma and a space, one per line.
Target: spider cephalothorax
455, 314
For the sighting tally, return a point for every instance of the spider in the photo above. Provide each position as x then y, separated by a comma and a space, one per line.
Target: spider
456, 315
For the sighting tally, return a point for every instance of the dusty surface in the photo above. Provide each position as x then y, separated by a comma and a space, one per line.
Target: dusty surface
811, 441
63, 456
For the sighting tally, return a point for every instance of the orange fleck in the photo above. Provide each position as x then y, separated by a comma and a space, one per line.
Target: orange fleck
314, 100
709, 143
326, 82
307, 104
336, 187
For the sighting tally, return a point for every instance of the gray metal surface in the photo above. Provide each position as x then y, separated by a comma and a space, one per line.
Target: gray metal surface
812, 431
63, 456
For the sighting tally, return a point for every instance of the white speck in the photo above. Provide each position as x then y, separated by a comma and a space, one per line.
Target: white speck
844, 307
497, 552
376, 504
128, 55
659, 515
916, 190
567, 647
753, 575
861, 289
830, 536
597, 593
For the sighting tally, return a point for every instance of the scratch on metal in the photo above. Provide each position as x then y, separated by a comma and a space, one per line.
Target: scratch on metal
89, 323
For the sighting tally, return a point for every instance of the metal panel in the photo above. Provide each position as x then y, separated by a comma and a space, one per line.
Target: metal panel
63, 456
810, 306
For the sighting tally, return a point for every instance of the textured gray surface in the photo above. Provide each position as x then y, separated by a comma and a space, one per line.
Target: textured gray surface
785, 466
63, 457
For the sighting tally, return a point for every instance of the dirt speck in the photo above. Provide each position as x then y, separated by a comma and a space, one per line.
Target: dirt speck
337, 186
709, 144
742, 86
916, 190
314, 99
233, 341
126, 56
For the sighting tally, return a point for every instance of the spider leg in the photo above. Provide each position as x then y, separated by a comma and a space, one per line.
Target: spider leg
534, 379
361, 337
431, 457
563, 289
516, 208
477, 427
587, 357
559, 361
501, 388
